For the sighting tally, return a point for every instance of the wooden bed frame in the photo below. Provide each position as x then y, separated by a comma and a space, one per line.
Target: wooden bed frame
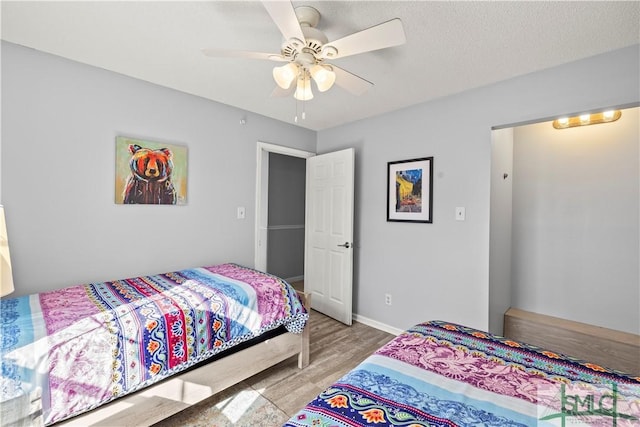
606, 347
159, 401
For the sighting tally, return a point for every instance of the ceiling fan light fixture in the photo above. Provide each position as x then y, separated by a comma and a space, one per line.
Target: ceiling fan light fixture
303, 90
323, 76
285, 75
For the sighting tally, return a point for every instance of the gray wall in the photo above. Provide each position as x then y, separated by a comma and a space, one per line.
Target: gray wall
60, 120
575, 222
59, 124
500, 227
441, 270
285, 241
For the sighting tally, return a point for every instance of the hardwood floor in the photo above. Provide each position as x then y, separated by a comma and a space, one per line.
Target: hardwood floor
335, 349
298, 286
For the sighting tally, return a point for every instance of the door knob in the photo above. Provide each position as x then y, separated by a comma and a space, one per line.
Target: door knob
345, 245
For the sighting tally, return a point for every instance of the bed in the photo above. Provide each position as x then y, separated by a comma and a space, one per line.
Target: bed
134, 351
444, 374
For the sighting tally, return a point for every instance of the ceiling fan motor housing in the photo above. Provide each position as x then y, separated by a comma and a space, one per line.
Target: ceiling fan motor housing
308, 17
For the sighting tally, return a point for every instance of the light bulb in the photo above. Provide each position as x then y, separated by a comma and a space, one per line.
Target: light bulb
285, 75
584, 118
323, 76
563, 121
303, 90
608, 115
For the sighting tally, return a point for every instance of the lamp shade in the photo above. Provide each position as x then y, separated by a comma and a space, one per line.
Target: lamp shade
6, 276
285, 75
303, 90
323, 76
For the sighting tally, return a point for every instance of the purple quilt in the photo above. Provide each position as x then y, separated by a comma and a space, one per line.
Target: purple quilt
85, 345
443, 374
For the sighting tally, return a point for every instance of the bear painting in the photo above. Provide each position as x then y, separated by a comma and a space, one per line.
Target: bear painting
150, 179
150, 175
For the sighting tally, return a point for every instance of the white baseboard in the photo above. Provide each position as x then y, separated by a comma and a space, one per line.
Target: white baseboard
377, 325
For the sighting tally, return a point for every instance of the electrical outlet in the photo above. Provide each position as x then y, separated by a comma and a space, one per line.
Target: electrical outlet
241, 213
387, 299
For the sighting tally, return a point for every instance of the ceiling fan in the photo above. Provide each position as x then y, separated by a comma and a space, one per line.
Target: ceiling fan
306, 51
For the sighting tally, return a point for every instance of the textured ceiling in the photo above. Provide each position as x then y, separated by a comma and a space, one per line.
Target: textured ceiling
451, 46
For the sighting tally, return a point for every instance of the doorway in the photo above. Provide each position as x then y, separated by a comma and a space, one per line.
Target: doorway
564, 222
286, 218
328, 263
281, 237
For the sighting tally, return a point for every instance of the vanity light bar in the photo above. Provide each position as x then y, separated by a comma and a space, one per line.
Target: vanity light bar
587, 119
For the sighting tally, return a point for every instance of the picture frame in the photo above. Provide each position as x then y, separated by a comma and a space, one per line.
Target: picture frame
150, 172
410, 190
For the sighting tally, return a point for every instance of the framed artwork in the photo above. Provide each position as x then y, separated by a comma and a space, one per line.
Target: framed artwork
410, 190
150, 173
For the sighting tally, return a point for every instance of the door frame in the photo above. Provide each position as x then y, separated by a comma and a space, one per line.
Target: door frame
262, 196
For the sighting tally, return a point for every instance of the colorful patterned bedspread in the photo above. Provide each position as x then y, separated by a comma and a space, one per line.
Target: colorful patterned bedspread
443, 374
84, 345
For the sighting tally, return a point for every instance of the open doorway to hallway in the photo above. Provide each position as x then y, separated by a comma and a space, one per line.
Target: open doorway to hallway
280, 205
286, 216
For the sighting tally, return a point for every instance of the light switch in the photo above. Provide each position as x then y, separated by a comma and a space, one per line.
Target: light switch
241, 213
460, 214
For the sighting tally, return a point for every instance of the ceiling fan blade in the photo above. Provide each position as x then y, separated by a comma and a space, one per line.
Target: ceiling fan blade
352, 83
226, 53
387, 34
285, 18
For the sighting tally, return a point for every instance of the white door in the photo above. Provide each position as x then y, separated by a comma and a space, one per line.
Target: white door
328, 272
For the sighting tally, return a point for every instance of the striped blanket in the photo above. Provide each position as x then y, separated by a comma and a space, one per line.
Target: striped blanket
443, 374
82, 346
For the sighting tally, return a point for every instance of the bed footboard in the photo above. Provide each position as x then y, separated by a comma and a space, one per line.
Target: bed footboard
303, 356
607, 347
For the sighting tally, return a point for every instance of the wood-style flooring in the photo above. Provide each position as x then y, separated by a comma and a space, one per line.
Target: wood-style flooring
335, 349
